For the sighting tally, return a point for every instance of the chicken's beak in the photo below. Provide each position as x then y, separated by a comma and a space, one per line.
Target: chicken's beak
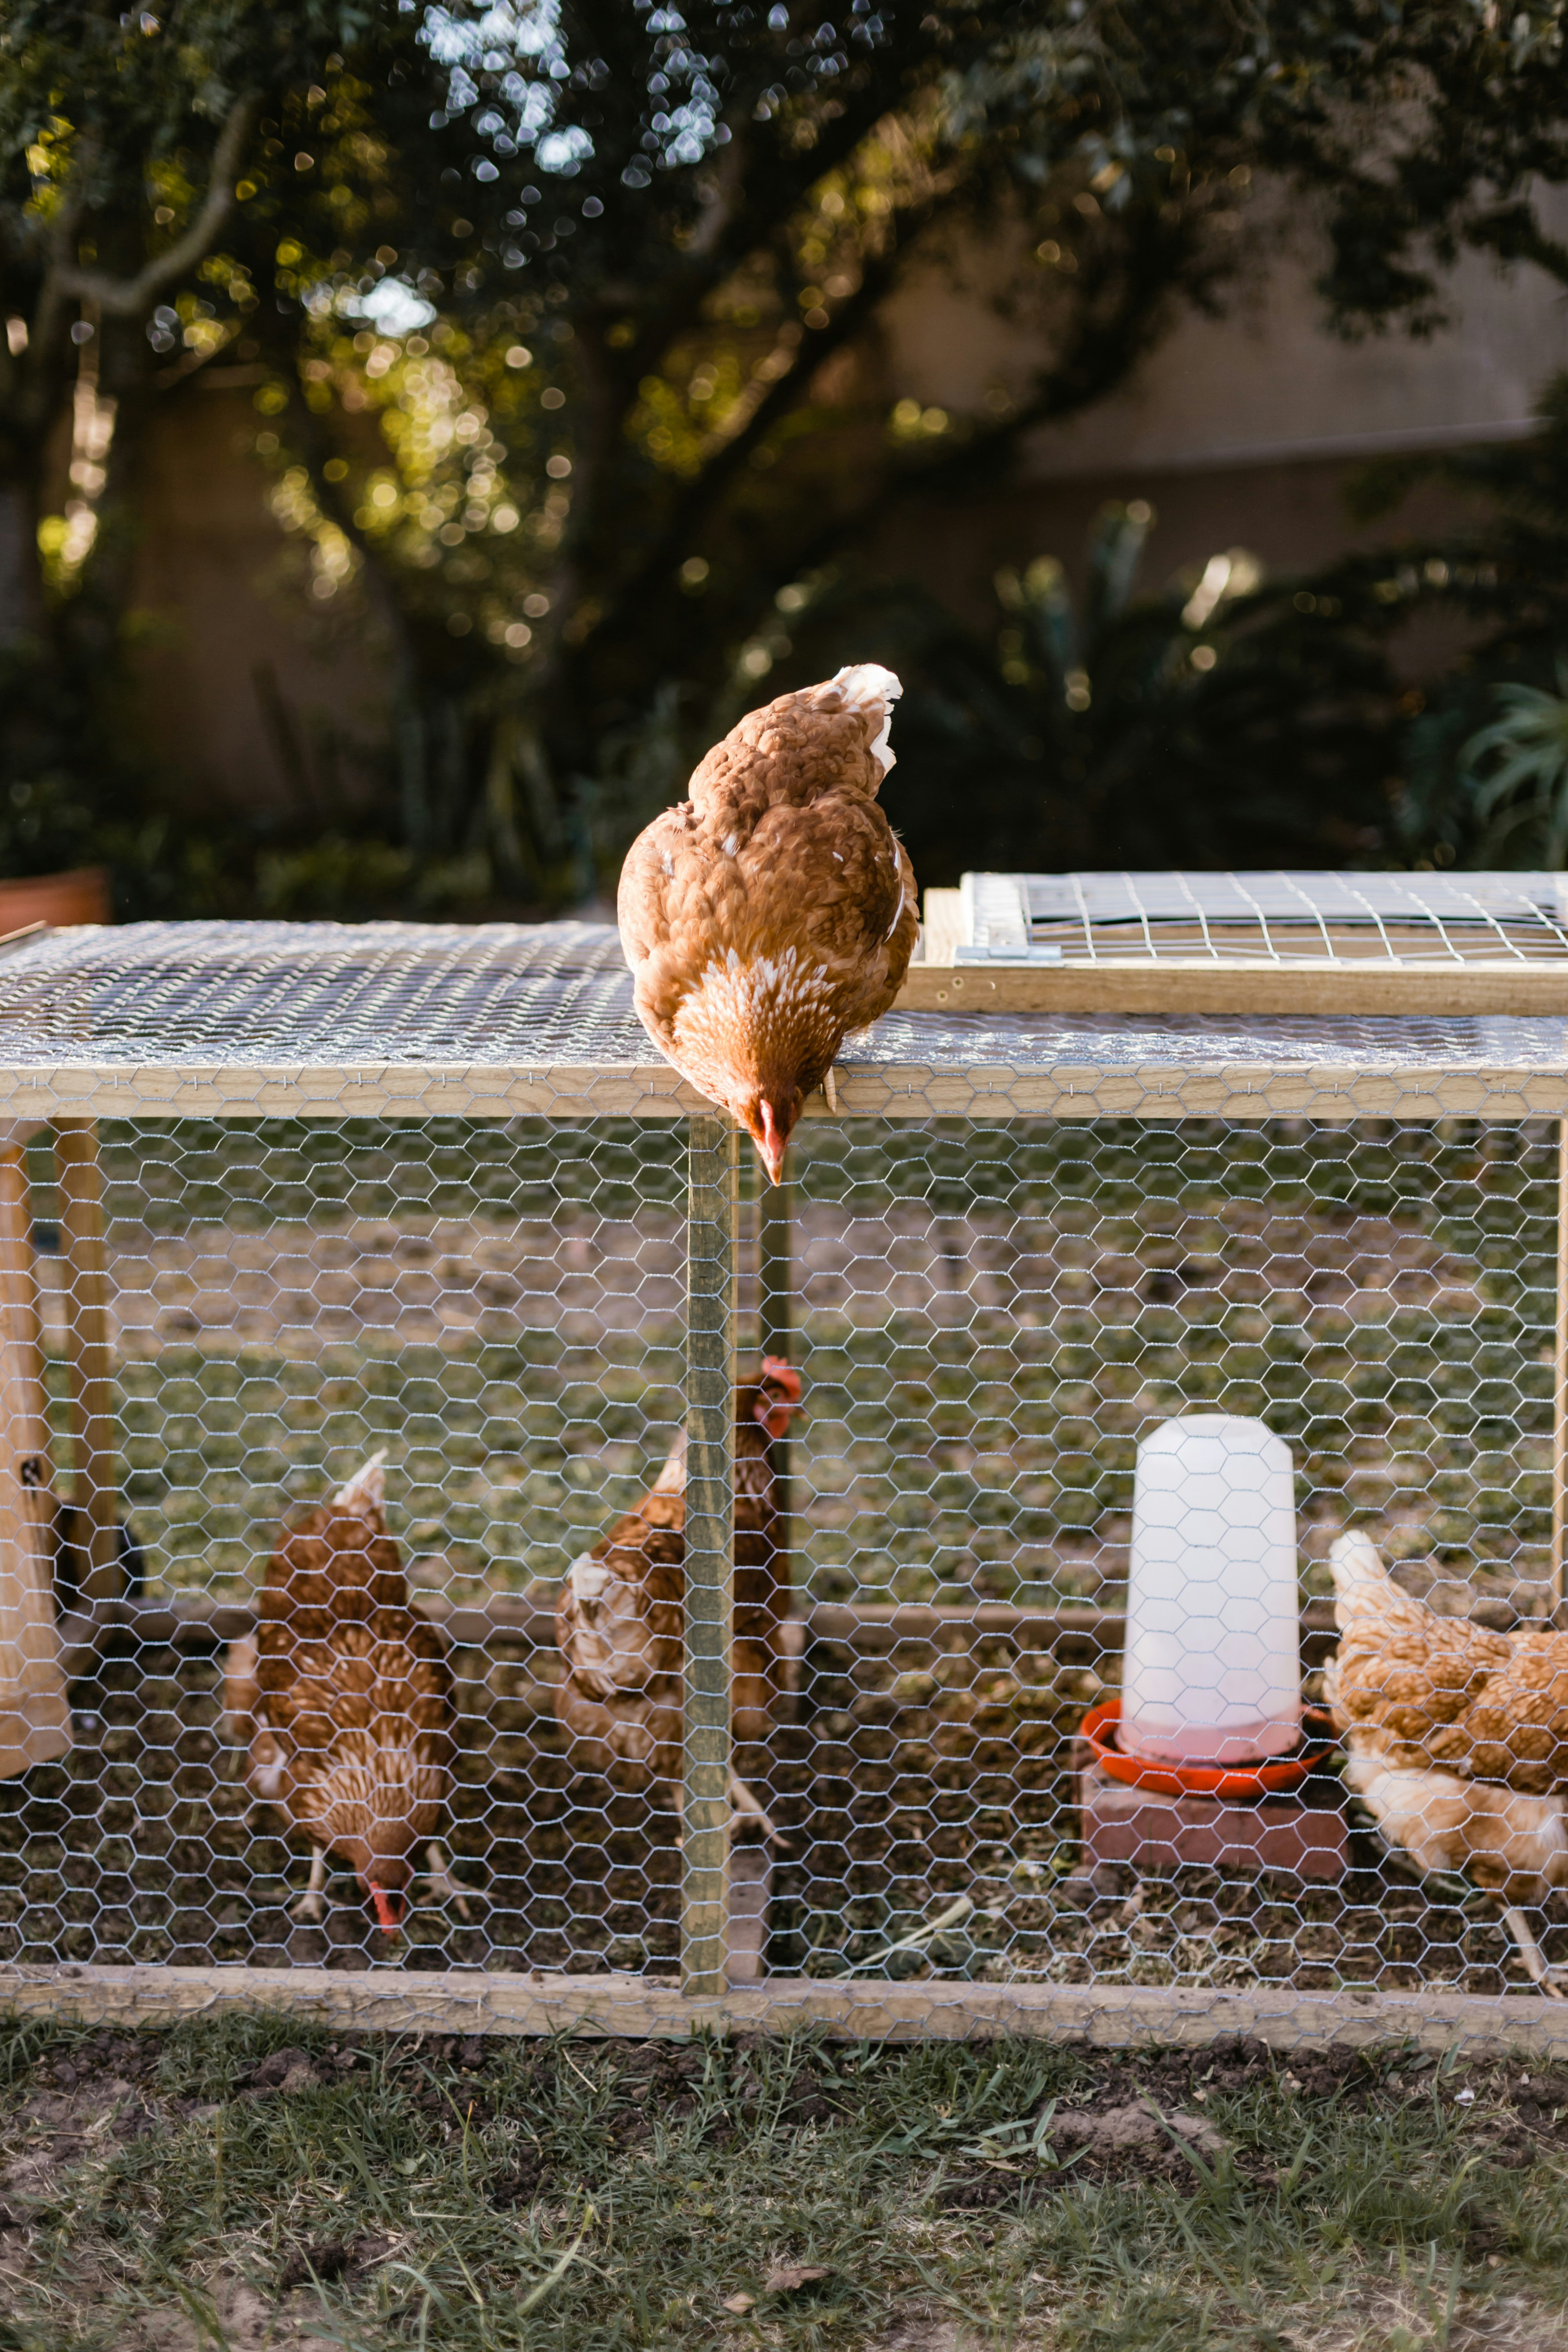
771, 1143
387, 1918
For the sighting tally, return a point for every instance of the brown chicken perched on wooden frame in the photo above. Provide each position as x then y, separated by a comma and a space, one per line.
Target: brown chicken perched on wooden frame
619, 1620
344, 1697
775, 912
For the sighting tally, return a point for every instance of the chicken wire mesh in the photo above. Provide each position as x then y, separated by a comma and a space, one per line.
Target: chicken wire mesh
1443, 923
344, 1213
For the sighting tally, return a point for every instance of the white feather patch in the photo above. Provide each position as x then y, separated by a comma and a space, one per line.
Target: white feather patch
588, 1577
866, 686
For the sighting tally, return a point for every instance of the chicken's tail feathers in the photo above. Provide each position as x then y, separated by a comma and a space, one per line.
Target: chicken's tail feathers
1355, 1560
1364, 1592
866, 686
241, 1693
365, 1495
671, 1479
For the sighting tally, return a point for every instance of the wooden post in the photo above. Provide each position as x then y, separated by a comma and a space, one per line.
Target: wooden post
1559, 1383
93, 1431
711, 1216
35, 1713
775, 1206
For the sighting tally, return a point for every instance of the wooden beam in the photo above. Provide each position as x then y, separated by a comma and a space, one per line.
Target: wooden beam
93, 1431
197, 1621
1239, 989
1560, 1381
710, 1223
775, 1209
1239, 1078
35, 1710
1110, 2016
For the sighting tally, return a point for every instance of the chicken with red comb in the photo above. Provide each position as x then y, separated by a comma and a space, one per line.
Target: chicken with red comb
620, 1616
774, 913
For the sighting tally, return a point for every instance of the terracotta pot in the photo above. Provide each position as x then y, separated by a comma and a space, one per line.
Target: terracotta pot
56, 898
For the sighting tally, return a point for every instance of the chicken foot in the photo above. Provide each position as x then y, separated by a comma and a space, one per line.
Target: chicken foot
744, 1807
1548, 1975
830, 1092
313, 1904
443, 1886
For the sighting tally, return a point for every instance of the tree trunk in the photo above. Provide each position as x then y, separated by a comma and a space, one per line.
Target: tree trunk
21, 578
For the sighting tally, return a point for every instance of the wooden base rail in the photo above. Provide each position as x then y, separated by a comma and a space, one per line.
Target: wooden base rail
396, 2000
202, 1621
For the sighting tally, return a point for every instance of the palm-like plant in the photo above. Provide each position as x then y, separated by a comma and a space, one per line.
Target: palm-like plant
1518, 771
1214, 722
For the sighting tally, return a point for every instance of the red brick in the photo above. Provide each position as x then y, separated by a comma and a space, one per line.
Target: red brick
1300, 1837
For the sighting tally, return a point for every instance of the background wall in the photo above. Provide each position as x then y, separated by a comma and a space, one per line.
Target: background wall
1239, 430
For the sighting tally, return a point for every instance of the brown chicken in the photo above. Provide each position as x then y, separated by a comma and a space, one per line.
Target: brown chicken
346, 1700
1438, 1711
775, 912
619, 1617
1425, 1689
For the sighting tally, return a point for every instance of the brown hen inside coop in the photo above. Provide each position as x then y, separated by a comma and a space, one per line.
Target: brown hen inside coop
295, 1195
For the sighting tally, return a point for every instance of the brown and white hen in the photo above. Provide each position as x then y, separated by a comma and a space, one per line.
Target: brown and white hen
620, 1616
344, 1697
774, 913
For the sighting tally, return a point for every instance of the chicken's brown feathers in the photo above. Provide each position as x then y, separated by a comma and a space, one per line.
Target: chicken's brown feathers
619, 1618
774, 913
1420, 1689
354, 1692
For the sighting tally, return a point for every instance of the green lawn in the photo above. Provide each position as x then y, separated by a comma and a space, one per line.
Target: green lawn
989, 1318
162, 2193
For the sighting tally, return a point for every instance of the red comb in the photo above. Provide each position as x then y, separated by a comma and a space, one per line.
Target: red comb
783, 1376
386, 1916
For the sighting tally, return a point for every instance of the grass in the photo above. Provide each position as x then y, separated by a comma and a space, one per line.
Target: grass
988, 1319
167, 2191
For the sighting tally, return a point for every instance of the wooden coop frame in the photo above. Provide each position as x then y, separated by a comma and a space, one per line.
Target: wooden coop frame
1333, 998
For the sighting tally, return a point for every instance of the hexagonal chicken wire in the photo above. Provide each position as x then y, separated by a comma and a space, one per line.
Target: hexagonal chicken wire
277, 1198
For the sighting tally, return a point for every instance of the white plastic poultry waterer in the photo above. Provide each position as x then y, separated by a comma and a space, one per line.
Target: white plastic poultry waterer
1213, 1670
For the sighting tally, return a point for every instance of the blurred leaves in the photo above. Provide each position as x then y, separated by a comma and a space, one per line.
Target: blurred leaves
1517, 770
564, 331
1222, 720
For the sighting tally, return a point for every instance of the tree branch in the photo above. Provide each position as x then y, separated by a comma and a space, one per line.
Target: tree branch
1103, 348
1103, 351
127, 297
699, 497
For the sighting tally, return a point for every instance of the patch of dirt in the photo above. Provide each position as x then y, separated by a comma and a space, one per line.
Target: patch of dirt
524, 2182
1110, 2133
331, 2258
249, 2322
288, 2071
1381, 2316
55, 2128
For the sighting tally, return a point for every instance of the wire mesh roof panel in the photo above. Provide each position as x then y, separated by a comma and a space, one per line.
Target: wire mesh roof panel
329, 994
145, 1005
1444, 919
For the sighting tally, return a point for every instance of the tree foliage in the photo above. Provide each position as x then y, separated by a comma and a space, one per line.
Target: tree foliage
570, 318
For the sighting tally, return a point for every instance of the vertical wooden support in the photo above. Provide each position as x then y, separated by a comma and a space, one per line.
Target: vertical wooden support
776, 1207
35, 1712
91, 1363
710, 1223
1560, 1382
